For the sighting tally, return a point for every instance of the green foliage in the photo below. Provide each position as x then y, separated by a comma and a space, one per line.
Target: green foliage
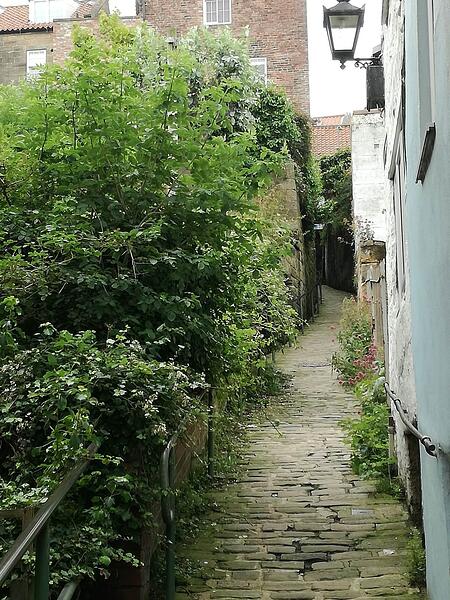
280, 128
137, 267
416, 560
368, 440
359, 368
335, 207
356, 357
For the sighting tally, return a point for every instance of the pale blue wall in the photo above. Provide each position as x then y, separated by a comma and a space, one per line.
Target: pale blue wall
428, 237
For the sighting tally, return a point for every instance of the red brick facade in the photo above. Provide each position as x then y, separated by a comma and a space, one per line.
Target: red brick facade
277, 32
62, 33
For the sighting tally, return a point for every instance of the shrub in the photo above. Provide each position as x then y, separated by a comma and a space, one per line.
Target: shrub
369, 442
356, 358
335, 208
359, 369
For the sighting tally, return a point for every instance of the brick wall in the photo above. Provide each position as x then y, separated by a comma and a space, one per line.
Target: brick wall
13, 53
62, 34
277, 31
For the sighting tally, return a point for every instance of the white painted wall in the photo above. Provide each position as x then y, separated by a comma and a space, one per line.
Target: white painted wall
400, 370
368, 176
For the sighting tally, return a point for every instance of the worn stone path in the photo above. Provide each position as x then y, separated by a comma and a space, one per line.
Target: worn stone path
299, 524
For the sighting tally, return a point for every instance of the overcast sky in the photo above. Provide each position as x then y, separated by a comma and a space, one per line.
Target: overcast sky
335, 91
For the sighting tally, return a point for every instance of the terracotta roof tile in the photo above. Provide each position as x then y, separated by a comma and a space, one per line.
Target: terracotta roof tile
333, 120
84, 10
16, 18
330, 134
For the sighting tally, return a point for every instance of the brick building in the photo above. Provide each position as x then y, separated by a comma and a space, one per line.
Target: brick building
277, 33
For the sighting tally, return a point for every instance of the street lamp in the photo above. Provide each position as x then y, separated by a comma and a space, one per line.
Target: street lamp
343, 23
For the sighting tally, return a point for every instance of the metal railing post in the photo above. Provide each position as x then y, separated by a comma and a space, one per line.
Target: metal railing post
42, 576
302, 320
211, 432
69, 590
171, 532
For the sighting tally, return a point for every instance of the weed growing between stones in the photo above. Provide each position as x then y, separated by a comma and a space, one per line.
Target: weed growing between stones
416, 559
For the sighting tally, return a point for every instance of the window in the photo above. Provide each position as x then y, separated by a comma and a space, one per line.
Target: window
397, 174
260, 66
35, 60
217, 12
427, 84
399, 210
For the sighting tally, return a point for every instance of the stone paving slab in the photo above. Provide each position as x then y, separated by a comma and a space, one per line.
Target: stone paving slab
299, 525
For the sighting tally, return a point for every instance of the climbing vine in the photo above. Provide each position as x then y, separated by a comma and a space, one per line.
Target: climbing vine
335, 208
279, 127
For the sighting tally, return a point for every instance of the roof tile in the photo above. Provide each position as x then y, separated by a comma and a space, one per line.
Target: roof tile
16, 18
330, 134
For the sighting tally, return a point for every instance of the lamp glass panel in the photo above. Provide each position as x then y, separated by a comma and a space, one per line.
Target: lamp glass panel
344, 30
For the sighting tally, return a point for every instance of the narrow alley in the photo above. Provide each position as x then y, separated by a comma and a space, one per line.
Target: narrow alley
299, 524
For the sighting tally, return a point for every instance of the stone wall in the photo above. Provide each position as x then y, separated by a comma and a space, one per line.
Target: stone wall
300, 266
400, 368
277, 31
13, 53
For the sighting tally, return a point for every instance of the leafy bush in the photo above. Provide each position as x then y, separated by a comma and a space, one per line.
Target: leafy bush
279, 128
138, 267
358, 368
356, 358
335, 209
368, 440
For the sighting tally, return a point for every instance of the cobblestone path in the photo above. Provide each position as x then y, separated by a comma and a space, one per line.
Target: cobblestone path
299, 524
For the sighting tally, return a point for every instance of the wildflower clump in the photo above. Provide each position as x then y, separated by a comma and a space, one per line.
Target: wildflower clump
357, 355
360, 369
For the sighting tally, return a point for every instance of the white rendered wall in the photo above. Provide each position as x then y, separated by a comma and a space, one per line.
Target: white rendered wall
368, 176
400, 370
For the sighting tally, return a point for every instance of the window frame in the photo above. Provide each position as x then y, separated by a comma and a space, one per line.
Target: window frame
427, 91
260, 60
216, 22
397, 175
33, 71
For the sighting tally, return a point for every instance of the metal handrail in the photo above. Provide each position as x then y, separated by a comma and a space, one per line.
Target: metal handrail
168, 478
38, 530
425, 440
69, 590
310, 295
